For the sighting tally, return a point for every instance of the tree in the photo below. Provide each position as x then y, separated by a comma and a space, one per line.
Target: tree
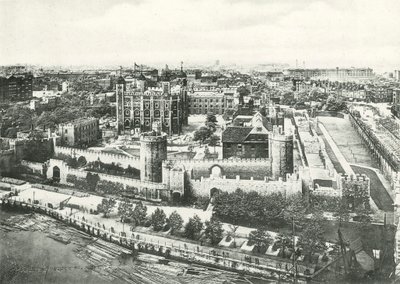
295, 210
335, 104
213, 231
243, 91
211, 122
193, 228
175, 221
158, 219
232, 233
202, 134
341, 212
106, 206
214, 140
125, 210
284, 241
311, 239
139, 214
211, 126
211, 118
261, 238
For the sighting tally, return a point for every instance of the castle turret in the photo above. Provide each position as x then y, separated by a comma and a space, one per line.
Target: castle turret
153, 151
281, 153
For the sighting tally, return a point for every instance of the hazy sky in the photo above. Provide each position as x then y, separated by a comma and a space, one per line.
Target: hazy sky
104, 32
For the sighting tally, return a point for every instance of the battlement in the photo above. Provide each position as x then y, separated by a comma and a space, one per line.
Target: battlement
278, 133
92, 156
65, 170
187, 162
357, 178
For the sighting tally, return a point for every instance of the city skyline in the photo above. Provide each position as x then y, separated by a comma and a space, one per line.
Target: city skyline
319, 33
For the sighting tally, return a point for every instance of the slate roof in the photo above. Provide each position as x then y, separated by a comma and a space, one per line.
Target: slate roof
235, 134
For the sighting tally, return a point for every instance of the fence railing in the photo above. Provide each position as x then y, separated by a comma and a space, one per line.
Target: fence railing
143, 243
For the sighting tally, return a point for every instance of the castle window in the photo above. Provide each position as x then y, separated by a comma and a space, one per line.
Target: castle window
137, 112
127, 112
147, 122
147, 113
156, 105
137, 123
239, 147
166, 123
157, 113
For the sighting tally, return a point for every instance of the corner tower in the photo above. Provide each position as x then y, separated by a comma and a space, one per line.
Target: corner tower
153, 151
281, 153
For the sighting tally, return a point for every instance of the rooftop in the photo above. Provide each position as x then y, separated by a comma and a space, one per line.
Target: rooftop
235, 134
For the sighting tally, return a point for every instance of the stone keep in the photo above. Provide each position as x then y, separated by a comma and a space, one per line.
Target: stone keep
281, 153
153, 151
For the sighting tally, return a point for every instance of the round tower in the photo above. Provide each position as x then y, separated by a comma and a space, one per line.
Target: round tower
281, 153
153, 151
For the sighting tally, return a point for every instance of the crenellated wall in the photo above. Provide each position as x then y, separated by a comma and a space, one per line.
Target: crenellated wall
65, 170
92, 156
292, 185
387, 162
245, 168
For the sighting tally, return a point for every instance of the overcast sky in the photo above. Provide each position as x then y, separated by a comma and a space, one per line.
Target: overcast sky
104, 32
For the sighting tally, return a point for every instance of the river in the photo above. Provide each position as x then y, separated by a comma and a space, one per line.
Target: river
29, 254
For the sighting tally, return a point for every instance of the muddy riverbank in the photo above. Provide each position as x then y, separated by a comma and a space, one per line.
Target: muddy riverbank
38, 249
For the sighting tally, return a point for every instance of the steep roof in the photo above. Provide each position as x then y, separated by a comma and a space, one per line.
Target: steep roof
235, 134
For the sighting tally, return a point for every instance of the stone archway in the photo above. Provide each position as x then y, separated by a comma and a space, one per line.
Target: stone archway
216, 171
56, 173
82, 161
214, 191
176, 196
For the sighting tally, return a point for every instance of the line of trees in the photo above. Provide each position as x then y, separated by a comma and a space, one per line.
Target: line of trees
136, 215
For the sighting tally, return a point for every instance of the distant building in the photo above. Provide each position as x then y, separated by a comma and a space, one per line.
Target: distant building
80, 132
334, 74
215, 101
396, 75
64, 86
139, 105
396, 103
16, 88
